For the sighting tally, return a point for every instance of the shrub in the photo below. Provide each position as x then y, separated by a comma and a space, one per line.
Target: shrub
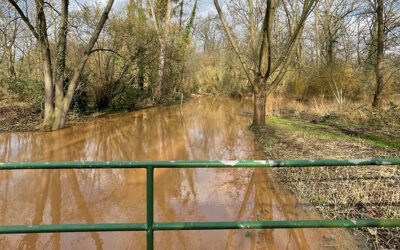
131, 98
327, 81
28, 90
81, 100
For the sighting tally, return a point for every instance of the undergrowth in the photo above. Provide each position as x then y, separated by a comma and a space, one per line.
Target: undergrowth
338, 192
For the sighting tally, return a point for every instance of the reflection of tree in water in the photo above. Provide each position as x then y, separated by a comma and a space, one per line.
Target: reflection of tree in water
20, 147
85, 213
157, 134
55, 198
215, 130
208, 128
154, 134
258, 199
30, 241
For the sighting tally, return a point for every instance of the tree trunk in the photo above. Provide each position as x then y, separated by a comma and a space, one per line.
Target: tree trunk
317, 48
377, 102
61, 55
160, 73
260, 99
47, 64
11, 62
163, 44
141, 78
266, 68
299, 56
48, 86
61, 113
329, 50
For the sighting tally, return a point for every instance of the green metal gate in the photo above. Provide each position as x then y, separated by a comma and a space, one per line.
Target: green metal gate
150, 226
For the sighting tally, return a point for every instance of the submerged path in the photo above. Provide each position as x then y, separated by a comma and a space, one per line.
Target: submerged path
203, 129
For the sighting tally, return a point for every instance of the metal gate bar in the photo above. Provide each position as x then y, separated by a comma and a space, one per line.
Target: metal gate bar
198, 164
212, 225
150, 226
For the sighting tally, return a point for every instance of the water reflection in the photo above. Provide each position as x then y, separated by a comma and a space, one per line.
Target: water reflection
206, 128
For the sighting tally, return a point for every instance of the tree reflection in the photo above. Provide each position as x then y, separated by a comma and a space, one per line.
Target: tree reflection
205, 129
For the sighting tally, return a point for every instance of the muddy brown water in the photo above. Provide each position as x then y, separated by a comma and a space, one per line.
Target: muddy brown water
203, 129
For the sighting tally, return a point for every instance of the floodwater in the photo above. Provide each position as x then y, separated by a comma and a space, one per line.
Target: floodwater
203, 129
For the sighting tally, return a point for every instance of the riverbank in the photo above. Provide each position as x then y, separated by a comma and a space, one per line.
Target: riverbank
301, 132
340, 192
203, 128
16, 116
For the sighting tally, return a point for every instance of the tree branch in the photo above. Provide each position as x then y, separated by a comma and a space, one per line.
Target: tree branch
308, 6
252, 26
234, 45
107, 50
153, 16
266, 40
88, 50
24, 18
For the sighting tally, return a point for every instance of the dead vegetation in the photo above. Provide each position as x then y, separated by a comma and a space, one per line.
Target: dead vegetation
18, 116
357, 119
339, 192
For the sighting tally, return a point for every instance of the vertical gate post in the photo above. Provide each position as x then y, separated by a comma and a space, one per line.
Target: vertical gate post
150, 207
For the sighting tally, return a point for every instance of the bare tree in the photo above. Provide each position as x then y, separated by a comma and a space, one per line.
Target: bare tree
162, 36
206, 32
377, 102
268, 69
384, 36
57, 106
331, 15
9, 29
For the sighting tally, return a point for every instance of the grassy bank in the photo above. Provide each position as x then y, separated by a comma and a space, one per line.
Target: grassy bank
340, 192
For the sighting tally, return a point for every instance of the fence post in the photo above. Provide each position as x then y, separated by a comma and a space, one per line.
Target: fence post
150, 207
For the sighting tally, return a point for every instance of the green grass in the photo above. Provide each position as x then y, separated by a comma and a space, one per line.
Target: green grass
324, 131
382, 140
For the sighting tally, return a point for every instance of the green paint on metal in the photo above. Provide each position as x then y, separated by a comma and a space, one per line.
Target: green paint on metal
216, 225
150, 208
22, 229
150, 226
275, 224
197, 164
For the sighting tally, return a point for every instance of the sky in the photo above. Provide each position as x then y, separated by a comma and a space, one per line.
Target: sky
204, 6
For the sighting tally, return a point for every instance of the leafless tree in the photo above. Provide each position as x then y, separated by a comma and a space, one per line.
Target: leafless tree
57, 100
163, 36
269, 68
